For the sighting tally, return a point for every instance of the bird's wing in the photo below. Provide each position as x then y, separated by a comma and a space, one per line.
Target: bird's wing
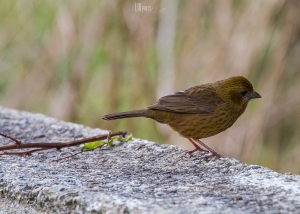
196, 100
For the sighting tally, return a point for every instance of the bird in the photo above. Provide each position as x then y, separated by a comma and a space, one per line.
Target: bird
201, 111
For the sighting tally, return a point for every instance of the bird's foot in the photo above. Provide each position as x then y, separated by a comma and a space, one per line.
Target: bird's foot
195, 150
197, 147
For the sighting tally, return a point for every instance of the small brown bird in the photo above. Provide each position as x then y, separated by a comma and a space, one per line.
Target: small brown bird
201, 111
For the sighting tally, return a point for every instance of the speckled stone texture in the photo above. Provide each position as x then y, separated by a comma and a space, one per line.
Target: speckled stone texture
135, 177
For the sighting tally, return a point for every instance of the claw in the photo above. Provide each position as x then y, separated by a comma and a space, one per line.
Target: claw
195, 150
198, 148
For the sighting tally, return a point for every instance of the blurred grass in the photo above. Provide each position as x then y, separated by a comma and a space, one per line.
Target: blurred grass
78, 60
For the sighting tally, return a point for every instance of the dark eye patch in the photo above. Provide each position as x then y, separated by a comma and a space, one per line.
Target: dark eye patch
243, 93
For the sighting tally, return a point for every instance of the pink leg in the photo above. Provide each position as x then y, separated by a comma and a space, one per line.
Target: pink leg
198, 148
213, 153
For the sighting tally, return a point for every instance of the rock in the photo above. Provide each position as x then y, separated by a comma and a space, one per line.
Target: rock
134, 177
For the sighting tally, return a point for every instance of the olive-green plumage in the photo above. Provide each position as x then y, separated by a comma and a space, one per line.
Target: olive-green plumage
201, 111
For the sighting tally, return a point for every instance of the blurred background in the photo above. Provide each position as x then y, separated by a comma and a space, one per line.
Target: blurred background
78, 60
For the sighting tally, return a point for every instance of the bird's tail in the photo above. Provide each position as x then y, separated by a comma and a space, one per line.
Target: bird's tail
135, 113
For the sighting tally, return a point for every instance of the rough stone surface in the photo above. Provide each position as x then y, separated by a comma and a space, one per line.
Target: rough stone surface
135, 177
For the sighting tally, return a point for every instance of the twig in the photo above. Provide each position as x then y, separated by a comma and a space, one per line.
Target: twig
72, 155
44, 145
25, 153
13, 139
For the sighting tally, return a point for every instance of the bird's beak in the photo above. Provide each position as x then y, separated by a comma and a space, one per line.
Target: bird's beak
254, 95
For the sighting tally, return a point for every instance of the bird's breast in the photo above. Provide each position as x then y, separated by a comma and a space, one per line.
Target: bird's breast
204, 125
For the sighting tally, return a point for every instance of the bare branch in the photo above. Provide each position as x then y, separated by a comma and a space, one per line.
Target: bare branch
72, 155
13, 139
46, 145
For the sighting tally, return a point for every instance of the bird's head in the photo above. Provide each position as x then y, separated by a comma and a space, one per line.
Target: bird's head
239, 90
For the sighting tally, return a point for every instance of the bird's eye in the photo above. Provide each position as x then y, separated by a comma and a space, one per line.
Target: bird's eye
243, 93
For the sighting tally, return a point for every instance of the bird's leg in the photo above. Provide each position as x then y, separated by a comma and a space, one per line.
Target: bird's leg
213, 152
198, 148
